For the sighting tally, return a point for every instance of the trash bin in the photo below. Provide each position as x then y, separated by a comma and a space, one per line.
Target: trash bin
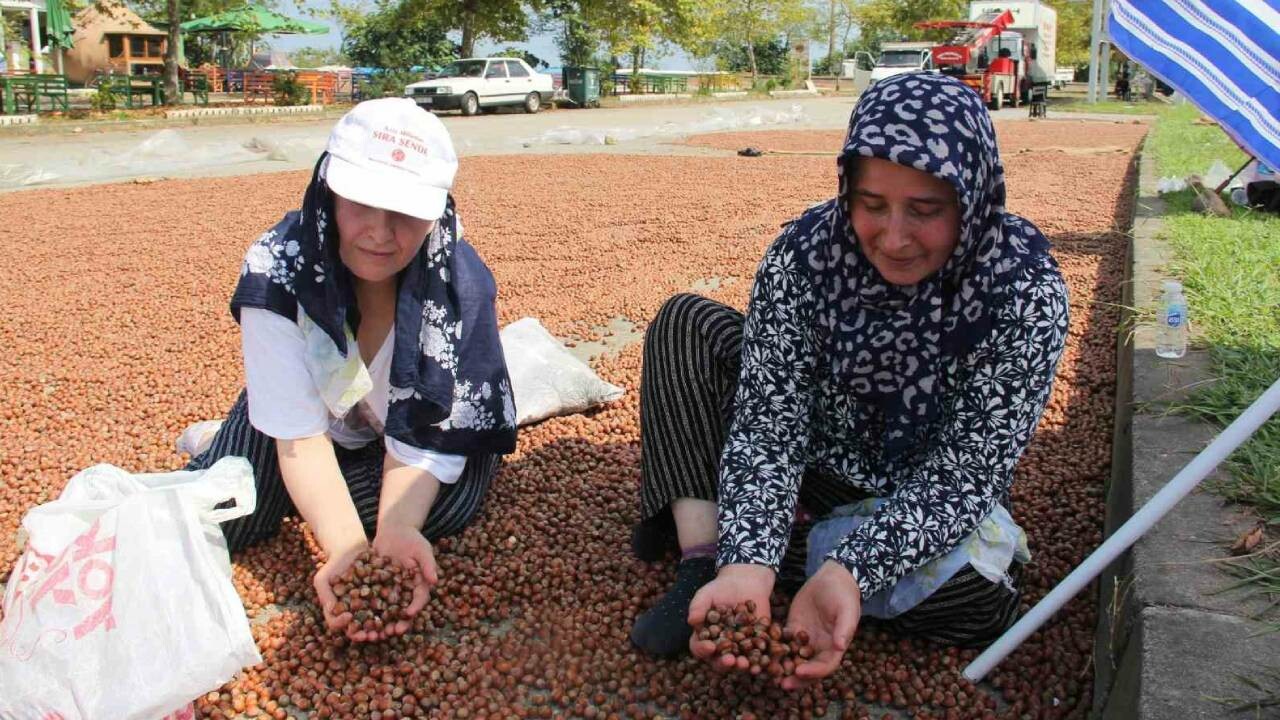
583, 86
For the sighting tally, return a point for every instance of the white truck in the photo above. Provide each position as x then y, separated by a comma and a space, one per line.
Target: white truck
1037, 23
901, 57
474, 84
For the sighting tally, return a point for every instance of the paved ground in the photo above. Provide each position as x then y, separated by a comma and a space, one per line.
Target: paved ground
218, 150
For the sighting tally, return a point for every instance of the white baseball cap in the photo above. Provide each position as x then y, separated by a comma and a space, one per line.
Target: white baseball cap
392, 154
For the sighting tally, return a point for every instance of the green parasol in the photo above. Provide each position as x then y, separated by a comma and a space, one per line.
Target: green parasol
254, 19
58, 24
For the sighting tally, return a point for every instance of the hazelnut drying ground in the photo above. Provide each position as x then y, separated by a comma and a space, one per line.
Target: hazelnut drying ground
117, 336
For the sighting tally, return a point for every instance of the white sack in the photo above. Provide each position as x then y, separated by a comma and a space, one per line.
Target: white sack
547, 379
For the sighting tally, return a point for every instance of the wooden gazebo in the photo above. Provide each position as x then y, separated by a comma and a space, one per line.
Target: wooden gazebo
111, 37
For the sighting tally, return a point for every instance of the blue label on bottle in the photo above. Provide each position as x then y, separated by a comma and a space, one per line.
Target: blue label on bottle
1175, 316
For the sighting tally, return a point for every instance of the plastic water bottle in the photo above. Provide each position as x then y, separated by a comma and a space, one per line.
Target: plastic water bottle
1171, 336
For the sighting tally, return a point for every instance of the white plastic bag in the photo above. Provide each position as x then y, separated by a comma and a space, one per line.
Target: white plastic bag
198, 437
547, 380
122, 606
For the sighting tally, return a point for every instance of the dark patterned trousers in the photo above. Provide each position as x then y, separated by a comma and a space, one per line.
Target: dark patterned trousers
688, 378
455, 506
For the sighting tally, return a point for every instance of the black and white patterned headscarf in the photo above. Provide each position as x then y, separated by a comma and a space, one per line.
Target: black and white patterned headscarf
890, 343
450, 390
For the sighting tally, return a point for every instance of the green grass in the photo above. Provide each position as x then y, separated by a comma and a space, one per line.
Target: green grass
1116, 107
1231, 270
1182, 147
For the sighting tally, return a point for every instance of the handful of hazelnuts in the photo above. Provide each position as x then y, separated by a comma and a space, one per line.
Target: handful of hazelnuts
755, 645
375, 590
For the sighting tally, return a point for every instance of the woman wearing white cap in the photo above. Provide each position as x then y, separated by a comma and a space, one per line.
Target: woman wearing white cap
377, 402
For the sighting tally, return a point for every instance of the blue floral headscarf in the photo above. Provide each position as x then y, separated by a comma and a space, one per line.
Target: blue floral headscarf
889, 343
450, 391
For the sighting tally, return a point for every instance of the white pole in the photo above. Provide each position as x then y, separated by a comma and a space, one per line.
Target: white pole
1094, 43
35, 41
1184, 482
4, 49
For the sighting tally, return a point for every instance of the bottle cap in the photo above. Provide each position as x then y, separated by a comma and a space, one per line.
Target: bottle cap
1172, 286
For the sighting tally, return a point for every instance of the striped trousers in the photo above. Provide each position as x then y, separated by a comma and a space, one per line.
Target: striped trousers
687, 383
455, 506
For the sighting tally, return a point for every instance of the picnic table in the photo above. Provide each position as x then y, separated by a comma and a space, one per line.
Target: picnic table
30, 90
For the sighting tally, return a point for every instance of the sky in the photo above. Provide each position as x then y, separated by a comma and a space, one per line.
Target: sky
542, 45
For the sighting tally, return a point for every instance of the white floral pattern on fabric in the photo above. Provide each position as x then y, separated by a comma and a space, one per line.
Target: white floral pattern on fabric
924, 396
470, 408
272, 256
794, 415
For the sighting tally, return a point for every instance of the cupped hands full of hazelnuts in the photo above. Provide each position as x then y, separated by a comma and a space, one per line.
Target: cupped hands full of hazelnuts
376, 591
755, 645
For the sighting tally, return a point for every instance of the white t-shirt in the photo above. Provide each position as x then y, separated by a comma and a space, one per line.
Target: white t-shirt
284, 404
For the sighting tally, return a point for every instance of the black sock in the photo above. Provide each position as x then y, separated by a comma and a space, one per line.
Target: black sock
663, 629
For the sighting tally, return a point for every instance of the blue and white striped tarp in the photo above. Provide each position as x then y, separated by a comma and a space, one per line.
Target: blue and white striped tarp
1223, 55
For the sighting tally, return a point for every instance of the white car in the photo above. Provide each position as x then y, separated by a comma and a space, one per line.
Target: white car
475, 83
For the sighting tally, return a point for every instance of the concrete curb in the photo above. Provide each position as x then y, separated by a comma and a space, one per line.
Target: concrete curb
792, 93
237, 111
19, 119
1170, 637
656, 97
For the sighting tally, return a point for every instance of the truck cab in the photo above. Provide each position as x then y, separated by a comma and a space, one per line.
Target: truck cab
902, 57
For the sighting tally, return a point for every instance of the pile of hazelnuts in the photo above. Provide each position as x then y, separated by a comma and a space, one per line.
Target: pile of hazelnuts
756, 645
375, 590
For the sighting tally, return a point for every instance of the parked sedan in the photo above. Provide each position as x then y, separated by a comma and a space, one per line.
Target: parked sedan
475, 83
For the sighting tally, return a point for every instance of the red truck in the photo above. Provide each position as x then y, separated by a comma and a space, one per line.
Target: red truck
983, 55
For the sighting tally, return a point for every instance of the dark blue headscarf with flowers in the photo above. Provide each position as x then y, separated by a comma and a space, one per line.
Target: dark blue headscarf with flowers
450, 391
890, 343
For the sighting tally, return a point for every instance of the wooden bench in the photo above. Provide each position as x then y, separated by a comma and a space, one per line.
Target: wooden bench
259, 85
128, 86
197, 83
323, 86
31, 89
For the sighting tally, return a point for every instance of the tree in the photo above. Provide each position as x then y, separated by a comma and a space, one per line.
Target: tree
496, 20
310, 57
529, 58
1074, 28
896, 19
751, 22
570, 21
634, 27
399, 36
771, 57
172, 86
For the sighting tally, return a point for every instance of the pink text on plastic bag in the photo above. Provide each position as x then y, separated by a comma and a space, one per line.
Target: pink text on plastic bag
77, 577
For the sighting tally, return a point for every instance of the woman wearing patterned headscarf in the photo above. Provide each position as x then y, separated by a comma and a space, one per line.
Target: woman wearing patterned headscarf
898, 350
376, 403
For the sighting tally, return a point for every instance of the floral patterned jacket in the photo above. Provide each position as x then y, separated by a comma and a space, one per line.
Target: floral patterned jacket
793, 417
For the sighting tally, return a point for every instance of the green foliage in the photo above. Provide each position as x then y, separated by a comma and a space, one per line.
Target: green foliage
529, 58
496, 20
310, 57
752, 23
570, 22
1074, 28
895, 19
103, 100
389, 84
1231, 270
399, 36
771, 58
288, 91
